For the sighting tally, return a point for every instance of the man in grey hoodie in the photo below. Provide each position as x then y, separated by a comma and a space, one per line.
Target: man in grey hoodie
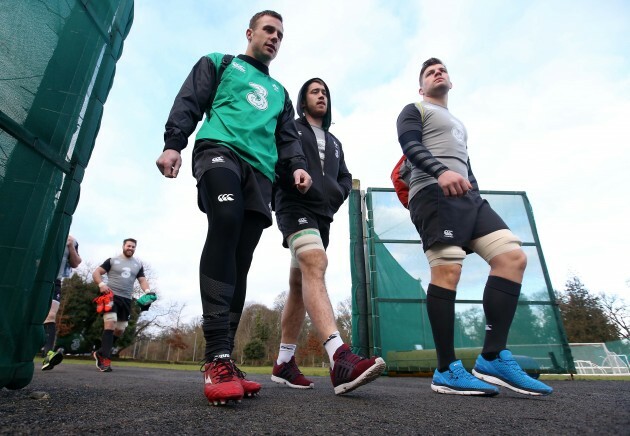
304, 220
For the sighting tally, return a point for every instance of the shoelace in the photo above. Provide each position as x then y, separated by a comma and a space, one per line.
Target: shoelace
292, 368
513, 365
237, 370
223, 369
460, 372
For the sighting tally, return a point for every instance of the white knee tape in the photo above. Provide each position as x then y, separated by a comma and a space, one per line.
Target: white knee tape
304, 240
121, 325
495, 243
442, 254
110, 316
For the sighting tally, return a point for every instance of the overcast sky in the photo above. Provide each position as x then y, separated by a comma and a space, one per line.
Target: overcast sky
543, 88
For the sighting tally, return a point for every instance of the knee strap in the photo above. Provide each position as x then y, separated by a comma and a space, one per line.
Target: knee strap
52, 313
442, 254
304, 240
495, 243
110, 316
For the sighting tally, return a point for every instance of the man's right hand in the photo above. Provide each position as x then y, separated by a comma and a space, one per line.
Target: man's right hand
302, 180
169, 163
453, 184
103, 288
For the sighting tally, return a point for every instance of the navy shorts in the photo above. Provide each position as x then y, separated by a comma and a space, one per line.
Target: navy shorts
255, 186
294, 219
452, 220
122, 307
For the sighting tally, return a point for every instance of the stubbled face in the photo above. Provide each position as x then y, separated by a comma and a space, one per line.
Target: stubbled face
265, 39
316, 100
129, 249
435, 81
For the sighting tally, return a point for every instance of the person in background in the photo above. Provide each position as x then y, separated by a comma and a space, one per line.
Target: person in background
70, 259
122, 271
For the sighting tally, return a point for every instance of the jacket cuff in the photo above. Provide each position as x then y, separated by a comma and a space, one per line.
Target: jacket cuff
173, 144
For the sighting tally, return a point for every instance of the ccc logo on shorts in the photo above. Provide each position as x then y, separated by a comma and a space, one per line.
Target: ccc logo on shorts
225, 197
448, 233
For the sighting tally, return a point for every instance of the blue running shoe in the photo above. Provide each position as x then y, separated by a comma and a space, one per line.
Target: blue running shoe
457, 381
505, 371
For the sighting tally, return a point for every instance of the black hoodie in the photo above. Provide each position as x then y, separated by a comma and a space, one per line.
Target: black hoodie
331, 186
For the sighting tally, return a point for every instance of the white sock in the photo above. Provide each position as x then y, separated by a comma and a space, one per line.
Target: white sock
333, 342
287, 351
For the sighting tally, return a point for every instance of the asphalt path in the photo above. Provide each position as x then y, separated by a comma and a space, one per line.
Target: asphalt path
78, 399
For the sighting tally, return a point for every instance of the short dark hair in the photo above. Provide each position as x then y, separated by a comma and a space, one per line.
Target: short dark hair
426, 64
256, 17
130, 239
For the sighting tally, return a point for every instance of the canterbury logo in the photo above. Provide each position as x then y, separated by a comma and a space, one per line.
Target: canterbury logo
302, 221
238, 67
218, 159
225, 197
448, 233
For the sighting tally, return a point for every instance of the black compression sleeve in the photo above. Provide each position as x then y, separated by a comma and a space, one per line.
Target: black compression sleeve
419, 155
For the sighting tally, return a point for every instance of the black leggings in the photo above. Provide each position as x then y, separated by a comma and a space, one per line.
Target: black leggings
233, 234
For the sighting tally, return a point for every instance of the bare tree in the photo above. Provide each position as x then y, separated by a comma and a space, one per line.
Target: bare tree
344, 319
616, 309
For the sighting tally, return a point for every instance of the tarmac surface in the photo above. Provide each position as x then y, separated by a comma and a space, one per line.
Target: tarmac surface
78, 399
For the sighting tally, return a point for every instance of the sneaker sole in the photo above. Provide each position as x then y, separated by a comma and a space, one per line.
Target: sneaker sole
440, 389
236, 398
500, 382
371, 374
251, 393
56, 359
289, 384
223, 402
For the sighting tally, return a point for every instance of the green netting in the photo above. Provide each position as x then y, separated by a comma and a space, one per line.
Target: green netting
396, 270
57, 63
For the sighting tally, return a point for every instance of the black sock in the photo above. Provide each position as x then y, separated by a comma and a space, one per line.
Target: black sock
215, 300
235, 319
500, 298
441, 310
50, 328
107, 341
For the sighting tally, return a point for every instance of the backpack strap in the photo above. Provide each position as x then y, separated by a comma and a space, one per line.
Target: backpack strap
227, 60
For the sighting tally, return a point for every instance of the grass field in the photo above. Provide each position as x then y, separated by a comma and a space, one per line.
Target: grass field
188, 366
308, 371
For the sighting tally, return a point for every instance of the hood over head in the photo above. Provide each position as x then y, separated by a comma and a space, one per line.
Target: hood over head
302, 96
